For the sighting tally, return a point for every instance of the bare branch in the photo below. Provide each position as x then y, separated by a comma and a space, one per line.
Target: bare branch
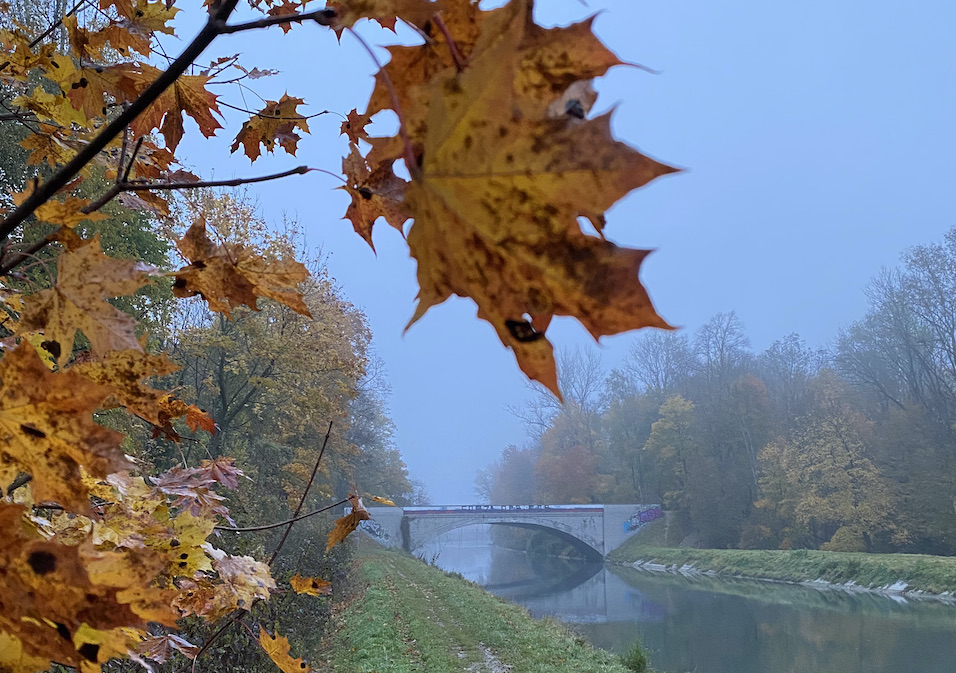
323, 17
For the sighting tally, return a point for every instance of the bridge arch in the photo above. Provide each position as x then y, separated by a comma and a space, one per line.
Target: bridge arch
428, 529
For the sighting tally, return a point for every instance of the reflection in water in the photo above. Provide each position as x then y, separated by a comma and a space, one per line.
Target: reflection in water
708, 625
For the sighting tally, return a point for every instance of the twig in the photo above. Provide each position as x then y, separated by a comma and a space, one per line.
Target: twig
116, 190
57, 23
305, 494
269, 526
62, 177
18, 482
323, 17
410, 162
452, 47
281, 119
132, 161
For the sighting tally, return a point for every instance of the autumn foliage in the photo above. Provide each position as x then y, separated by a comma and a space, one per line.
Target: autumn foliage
503, 161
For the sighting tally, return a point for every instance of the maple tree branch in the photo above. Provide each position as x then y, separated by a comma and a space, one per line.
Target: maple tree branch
119, 188
305, 494
132, 161
262, 116
62, 177
268, 526
323, 17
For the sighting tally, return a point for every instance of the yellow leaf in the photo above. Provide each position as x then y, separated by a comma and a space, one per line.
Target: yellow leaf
85, 279
14, 660
312, 586
67, 213
348, 523
384, 501
47, 428
278, 650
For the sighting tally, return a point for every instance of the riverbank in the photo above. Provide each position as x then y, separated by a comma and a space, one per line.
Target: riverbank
407, 616
907, 574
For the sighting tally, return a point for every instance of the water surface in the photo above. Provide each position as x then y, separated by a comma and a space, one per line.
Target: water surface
708, 625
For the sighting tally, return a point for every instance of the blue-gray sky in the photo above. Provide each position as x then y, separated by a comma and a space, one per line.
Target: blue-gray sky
819, 142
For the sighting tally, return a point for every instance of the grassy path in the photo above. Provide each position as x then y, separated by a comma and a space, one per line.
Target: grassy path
407, 616
920, 572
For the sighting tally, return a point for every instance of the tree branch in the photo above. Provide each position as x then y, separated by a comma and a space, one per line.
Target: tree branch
62, 177
323, 17
305, 493
119, 188
269, 526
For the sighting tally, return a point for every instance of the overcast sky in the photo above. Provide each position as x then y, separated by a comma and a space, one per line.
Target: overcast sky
818, 139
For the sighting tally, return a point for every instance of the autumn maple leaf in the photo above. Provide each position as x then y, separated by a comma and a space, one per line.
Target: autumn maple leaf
85, 278
47, 429
375, 193
499, 191
275, 124
232, 274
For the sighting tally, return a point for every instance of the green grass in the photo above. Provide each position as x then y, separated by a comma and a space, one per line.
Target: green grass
933, 574
406, 616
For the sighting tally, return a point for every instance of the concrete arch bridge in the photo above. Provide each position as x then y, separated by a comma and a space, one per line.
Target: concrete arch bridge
597, 529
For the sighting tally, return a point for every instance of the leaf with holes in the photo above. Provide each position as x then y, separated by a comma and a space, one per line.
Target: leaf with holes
313, 586
85, 278
47, 429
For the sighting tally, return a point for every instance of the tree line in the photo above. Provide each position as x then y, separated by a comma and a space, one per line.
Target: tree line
847, 448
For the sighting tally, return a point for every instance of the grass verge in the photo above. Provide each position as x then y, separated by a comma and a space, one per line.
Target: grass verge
406, 616
921, 572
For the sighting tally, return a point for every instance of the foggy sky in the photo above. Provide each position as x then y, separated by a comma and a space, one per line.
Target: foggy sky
818, 139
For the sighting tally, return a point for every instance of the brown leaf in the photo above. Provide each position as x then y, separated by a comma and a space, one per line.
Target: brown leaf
275, 124
348, 523
313, 586
47, 429
69, 602
232, 274
375, 193
497, 191
85, 278
354, 126
160, 648
278, 650
385, 12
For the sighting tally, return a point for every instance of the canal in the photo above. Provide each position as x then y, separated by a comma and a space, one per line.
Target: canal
711, 625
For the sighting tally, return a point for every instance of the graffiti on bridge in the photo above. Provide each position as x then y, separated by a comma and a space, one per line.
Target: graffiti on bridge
373, 529
642, 517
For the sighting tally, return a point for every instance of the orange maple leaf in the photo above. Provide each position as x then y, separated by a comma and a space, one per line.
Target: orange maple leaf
47, 429
277, 647
313, 586
375, 193
344, 526
274, 124
232, 274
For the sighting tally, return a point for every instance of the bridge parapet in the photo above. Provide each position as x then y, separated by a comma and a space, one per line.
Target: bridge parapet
603, 528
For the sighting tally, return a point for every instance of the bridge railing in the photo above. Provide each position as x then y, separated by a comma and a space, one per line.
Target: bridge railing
502, 509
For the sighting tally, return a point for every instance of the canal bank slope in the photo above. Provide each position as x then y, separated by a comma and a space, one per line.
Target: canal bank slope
404, 615
890, 573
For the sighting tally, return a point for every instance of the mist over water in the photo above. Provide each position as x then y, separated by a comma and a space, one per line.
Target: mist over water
708, 625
